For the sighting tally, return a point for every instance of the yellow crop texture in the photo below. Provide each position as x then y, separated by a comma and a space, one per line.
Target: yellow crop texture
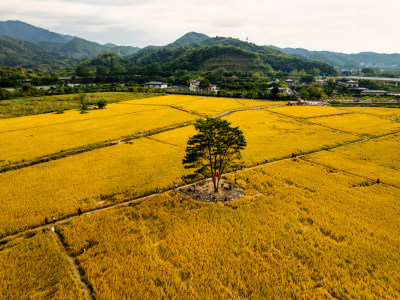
206, 106
43, 120
308, 111
170, 100
362, 124
301, 231
58, 188
392, 114
39, 105
270, 136
214, 106
33, 267
39, 141
93, 97
373, 159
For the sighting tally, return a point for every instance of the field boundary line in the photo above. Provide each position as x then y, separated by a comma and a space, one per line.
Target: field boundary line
305, 121
77, 121
332, 115
140, 198
347, 172
102, 144
74, 266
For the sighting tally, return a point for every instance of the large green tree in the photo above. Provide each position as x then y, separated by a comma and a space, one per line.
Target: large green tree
214, 149
204, 85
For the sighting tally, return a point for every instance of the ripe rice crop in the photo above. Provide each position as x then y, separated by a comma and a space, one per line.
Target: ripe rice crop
213, 106
392, 114
373, 159
33, 267
39, 105
165, 100
58, 188
308, 111
300, 231
207, 106
269, 136
93, 97
361, 124
38, 141
42, 120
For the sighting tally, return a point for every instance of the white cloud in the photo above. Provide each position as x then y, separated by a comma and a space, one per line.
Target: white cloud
337, 25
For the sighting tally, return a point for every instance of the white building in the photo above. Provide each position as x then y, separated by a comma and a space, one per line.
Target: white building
349, 84
195, 87
156, 84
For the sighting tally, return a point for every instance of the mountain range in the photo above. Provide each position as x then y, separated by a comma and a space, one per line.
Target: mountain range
348, 61
34, 47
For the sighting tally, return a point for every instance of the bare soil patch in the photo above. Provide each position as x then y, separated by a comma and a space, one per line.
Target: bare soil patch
204, 191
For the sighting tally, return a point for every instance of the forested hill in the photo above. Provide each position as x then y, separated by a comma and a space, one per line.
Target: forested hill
30, 33
15, 52
196, 56
188, 39
348, 61
80, 48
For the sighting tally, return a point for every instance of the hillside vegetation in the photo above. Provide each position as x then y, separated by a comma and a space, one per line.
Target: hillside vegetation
14, 52
29, 33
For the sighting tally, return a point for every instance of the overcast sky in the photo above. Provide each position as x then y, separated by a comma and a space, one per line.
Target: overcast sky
348, 26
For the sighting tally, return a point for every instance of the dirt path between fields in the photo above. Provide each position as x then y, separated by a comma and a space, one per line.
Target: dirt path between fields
74, 267
127, 203
103, 144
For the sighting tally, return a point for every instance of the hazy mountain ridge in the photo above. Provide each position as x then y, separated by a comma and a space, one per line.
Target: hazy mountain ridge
348, 61
81, 48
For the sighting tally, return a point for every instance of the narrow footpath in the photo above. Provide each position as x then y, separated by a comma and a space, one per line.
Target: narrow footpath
74, 267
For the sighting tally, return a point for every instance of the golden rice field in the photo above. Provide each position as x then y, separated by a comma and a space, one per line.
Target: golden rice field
301, 231
205, 106
43, 120
308, 111
33, 267
214, 106
270, 136
392, 114
358, 123
57, 188
377, 158
310, 228
39, 105
38, 141
93, 97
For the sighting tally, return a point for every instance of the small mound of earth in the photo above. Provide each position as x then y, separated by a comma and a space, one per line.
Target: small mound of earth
204, 191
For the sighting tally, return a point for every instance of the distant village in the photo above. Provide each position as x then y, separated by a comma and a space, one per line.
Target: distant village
349, 84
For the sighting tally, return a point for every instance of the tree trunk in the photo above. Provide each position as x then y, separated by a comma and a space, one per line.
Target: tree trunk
214, 179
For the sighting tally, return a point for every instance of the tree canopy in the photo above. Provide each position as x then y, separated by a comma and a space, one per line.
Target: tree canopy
214, 149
